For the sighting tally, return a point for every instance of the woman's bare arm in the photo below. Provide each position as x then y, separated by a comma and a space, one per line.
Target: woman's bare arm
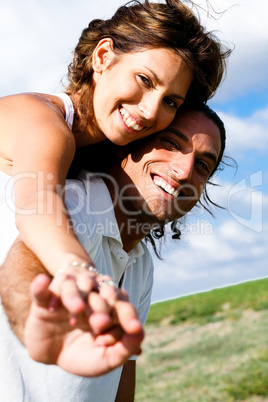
41, 147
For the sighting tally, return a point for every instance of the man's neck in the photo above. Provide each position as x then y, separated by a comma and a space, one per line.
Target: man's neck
131, 229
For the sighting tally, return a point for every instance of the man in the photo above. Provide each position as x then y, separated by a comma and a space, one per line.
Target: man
158, 180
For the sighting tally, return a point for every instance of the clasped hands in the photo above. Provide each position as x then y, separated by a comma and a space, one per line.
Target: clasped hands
84, 328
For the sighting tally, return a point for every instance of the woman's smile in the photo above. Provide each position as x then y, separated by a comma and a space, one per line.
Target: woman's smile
141, 92
129, 120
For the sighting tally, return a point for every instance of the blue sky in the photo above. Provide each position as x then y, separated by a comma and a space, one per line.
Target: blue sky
36, 41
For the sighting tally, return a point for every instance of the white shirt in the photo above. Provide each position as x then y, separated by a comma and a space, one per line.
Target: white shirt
22, 379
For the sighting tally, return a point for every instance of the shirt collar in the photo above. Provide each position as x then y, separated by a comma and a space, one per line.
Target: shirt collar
101, 202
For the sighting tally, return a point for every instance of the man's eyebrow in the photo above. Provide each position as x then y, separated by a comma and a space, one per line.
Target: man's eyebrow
211, 156
179, 134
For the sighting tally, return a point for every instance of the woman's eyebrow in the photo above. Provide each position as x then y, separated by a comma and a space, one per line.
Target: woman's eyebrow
157, 79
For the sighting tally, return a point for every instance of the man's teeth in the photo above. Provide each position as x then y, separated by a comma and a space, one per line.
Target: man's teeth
167, 187
129, 121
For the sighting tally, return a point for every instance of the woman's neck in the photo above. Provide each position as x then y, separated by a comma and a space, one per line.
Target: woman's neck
85, 134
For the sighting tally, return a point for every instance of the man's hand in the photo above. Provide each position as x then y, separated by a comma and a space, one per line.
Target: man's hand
106, 333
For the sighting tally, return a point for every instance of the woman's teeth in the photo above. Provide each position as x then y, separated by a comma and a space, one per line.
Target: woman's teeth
166, 187
129, 121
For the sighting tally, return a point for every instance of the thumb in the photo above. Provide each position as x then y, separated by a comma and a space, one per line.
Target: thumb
39, 290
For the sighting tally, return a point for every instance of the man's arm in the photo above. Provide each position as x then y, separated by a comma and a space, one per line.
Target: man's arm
15, 280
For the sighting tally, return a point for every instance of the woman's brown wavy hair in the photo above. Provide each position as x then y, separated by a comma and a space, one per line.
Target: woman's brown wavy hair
146, 25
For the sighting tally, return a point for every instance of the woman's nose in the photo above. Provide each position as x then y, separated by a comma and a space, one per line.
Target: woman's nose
150, 107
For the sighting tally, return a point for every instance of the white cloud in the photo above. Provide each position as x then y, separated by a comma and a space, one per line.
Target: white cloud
245, 27
247, 133
37, 40
230, 255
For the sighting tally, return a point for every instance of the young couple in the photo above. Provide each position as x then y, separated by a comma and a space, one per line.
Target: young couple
124, 85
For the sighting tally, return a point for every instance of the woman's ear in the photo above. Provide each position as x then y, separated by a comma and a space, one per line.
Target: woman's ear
102, 55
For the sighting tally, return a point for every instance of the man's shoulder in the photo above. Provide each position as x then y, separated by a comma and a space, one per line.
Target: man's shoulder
91, 209
143, 258
146, 252
87, 195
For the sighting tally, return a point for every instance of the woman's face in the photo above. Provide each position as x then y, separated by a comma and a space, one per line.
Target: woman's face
140, 93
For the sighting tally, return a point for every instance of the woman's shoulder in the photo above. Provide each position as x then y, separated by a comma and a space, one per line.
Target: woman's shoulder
30, 102
24, 115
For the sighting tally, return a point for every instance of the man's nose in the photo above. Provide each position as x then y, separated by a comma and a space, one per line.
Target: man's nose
183, 167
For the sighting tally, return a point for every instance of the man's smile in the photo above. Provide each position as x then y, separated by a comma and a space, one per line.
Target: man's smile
164, 185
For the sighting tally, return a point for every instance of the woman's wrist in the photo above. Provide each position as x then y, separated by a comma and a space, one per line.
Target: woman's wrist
72, 263
77, 265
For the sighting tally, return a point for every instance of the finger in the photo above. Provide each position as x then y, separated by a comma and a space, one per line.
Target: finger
55, 285
100, 322
71, 297
110, 337
131, 344
86, 282
109, 290
100, 317
97, 304
39, 290
127, 317
118, 353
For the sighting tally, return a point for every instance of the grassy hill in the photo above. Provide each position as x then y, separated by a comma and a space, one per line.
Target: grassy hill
206, 347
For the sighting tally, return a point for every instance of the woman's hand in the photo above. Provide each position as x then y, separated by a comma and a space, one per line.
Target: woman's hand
94, 334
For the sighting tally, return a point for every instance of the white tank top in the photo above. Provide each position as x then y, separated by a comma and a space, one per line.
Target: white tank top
69, 108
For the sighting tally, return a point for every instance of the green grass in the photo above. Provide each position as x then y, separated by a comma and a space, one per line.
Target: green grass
212, 306
250, 379
207, 347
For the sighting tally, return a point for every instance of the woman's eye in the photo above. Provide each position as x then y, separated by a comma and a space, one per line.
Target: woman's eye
145, 80
171, 103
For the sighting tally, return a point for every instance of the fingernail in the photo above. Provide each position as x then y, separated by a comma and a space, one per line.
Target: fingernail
53, 304
73, 320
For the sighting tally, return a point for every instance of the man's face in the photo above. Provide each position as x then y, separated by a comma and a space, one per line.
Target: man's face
164, 176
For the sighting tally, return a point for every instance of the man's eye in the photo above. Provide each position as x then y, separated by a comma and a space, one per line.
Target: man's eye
171, 144
145, 80
203, 167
